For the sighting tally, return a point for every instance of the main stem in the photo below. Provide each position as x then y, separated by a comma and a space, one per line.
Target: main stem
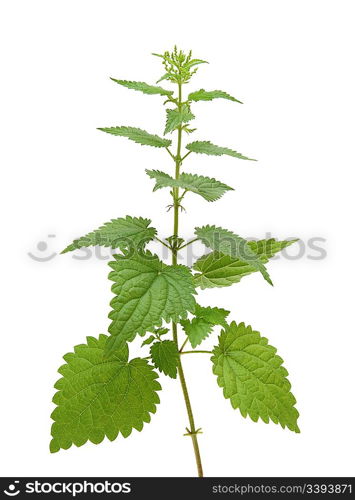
192, 431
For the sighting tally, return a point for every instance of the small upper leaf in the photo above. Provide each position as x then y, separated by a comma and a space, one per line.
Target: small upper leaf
165, 357
216, 269
147, 292
100, 397
138, 135
176, 117
253, 378
214, 315
210, 189
207, 148
231, 244
148, 340
144, 87
195, 62
202, 324
124, 232
160, 331
196, 329
204, 95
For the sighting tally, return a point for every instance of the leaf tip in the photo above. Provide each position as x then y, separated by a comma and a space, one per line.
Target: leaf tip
54, 446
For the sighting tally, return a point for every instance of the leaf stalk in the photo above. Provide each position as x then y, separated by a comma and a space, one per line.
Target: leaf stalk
195, 352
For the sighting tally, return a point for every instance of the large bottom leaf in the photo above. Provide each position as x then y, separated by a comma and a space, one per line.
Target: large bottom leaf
100, 397
253, 378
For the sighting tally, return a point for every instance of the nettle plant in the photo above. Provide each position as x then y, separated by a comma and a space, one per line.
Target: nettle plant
104, 393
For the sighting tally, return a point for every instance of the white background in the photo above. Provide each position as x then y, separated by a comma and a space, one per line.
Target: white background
291, 63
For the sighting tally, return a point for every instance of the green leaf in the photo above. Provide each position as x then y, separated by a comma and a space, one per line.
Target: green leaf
197, 330
157, 333
207, 148
214, 315
148, 340
195, 62
138, 135
231, 244
147, 292
100, 397
253, 378
210, 189
204, 95
127, 232
167, 76
144, 87
161, 331
201, 326
217, 270
165, 357
176, 117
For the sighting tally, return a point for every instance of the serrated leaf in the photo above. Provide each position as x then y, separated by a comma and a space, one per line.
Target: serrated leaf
98, 397
217, 270
204, 95
197, 330
202, 324
253, 378
147, 292
138, 135
144, 87
214, 315
165, 357
231, 244
209, 188
124, 232
207, 148
176, 117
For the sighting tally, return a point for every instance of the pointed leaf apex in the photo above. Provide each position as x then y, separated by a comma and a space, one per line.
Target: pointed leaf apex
253, 378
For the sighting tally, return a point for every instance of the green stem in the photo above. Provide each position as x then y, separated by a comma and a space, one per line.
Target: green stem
183, 345
195, 352
192, 431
